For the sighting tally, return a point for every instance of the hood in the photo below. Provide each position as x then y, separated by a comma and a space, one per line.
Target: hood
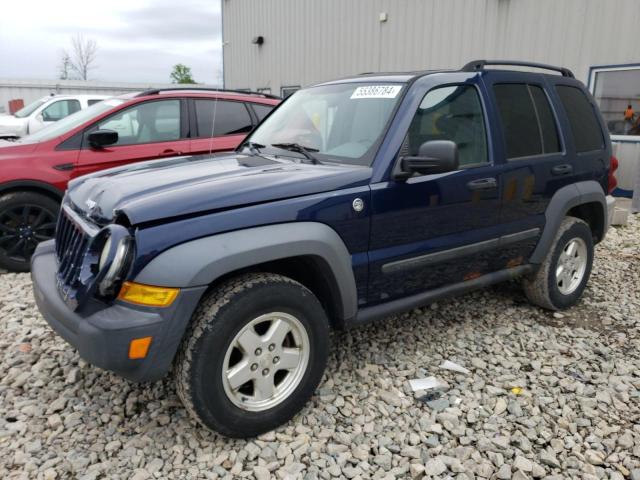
10, 125
9, 149
160, 189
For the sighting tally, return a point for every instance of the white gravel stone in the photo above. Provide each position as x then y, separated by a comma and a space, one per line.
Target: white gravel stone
576, 416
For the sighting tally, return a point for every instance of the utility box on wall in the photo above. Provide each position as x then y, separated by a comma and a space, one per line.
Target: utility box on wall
15, 105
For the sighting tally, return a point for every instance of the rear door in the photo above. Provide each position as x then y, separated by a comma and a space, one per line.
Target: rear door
220, 125
146, 130
537, 158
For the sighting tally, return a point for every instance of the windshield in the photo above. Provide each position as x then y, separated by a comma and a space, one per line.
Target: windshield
29, 109
339, 123
72, 121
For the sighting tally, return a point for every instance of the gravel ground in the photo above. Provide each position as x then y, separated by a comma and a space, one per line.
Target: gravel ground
576, 415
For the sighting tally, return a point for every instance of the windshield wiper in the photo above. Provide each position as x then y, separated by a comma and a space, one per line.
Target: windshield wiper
254, 147
296, 147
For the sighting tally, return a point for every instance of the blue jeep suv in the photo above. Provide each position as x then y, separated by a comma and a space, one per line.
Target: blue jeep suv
353, 200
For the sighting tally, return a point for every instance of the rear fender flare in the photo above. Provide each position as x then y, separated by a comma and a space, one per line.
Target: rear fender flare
562, 201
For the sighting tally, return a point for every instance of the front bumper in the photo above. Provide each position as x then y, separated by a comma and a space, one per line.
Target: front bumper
102, 336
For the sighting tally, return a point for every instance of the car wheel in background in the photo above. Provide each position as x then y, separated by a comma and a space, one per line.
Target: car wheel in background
26, 219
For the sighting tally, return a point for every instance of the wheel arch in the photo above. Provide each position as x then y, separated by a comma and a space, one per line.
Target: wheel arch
32, 186
309, 252
585, 200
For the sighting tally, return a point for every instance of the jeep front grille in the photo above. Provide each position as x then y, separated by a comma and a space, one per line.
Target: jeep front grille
72, 241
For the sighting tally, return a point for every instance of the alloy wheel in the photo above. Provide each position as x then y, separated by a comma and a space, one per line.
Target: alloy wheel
265, 361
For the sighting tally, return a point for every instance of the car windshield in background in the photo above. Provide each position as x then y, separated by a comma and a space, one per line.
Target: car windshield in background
29, 109
72, 121
338, 123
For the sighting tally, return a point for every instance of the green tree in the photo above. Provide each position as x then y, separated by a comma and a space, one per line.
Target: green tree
181, 74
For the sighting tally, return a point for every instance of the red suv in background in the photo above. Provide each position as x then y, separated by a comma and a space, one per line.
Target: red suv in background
34, 170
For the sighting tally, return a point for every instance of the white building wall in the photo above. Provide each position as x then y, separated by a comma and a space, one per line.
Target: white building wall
31, 90
308, 41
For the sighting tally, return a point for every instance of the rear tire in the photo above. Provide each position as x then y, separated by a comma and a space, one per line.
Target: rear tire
26, 219
564, 273
255, 353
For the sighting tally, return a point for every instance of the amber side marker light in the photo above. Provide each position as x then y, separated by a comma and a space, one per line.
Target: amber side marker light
139, 347
147, 295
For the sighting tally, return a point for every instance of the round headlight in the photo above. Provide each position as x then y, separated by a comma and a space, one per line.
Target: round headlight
105, 253
114, 259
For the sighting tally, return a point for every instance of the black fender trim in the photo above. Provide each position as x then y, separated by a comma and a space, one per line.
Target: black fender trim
562, 201
202, 261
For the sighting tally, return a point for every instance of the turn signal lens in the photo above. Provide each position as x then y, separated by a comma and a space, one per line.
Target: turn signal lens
147, 295
139, 347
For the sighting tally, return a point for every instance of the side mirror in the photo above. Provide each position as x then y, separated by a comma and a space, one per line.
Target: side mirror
40, 117
102, 138
435, 156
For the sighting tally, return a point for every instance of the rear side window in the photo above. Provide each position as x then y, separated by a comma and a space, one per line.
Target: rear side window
527, 121
231, 118
262, 110
584, 125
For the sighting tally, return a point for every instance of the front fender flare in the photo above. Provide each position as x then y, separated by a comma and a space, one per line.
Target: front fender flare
202, 261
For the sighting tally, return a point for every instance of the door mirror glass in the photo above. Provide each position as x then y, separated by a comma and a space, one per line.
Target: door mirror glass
434, 156
102, 138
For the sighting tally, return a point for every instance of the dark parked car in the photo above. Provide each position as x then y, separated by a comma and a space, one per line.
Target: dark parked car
354, 200
34, 171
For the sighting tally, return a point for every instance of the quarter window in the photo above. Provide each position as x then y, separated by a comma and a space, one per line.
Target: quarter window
584, 125
451, 113
149, 122
527, 120
60, 109
220, 117
262, 110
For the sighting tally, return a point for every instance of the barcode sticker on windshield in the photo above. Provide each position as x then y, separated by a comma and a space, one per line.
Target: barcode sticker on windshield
376, 91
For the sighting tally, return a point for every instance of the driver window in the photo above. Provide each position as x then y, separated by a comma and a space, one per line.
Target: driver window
149, 122
60, 109
451, 113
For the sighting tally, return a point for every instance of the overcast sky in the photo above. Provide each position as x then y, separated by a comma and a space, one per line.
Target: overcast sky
138, 40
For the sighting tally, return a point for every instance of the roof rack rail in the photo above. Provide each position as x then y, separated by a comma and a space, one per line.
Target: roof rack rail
478, 65
155, 91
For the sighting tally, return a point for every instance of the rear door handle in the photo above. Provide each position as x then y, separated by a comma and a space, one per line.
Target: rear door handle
169, 153
483, 184
563, 169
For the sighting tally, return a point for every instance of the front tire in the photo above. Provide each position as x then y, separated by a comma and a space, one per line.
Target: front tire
26, 219
563, 276
254, 355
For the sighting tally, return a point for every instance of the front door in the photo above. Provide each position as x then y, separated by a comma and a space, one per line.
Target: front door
431, 230
146, 131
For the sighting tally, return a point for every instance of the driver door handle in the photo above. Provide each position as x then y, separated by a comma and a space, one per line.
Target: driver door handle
483, 184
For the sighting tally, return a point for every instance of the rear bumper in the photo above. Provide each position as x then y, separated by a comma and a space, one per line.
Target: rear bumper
102, 337
611, 206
